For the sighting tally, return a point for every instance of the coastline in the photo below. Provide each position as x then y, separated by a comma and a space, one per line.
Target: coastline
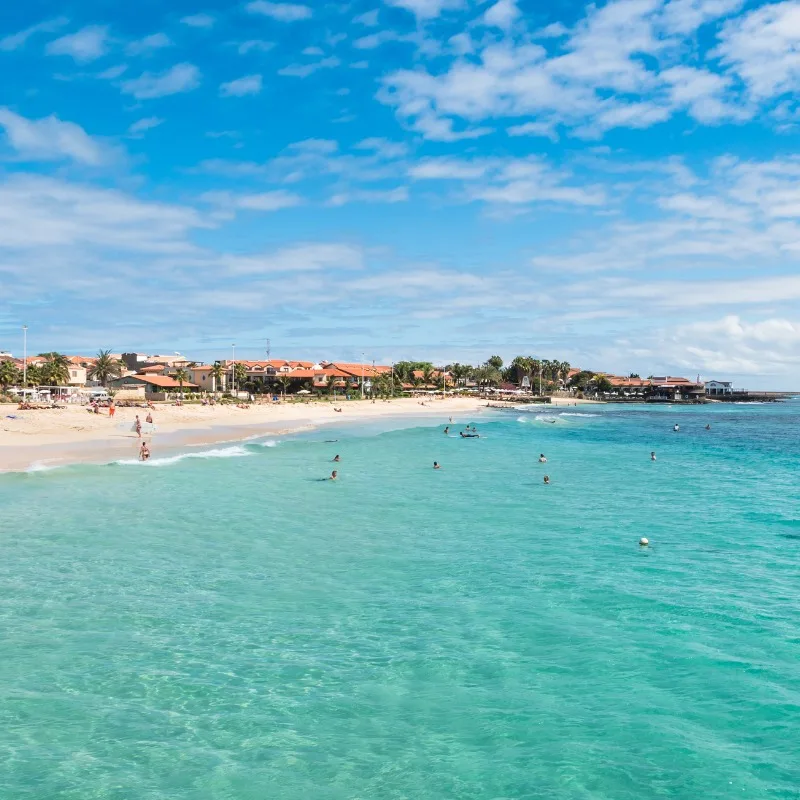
43, 439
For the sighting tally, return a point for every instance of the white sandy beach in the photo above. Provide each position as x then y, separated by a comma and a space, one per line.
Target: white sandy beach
73, 434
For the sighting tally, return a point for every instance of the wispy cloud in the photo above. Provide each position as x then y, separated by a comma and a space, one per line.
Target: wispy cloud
426, 9
87, 44
199, 21
149, 44
283, 12
177, 79
52, 139
246, 85
304, 70
255, 45
264, 201
141, 126
15, 41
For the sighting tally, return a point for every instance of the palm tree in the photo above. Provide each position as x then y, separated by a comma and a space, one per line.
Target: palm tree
239, 374
34, 375
284, 381
428, 375
105, 367
55, 370
9, 374
563, 371
181, 375
217, 374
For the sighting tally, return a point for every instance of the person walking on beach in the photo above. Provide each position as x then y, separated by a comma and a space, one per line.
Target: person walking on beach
138, 426
149, 418
112, 409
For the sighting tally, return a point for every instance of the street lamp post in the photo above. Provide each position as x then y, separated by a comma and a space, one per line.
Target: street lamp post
24, 359
363, 358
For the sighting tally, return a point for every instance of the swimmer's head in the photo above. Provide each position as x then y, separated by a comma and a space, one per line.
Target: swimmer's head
334, 475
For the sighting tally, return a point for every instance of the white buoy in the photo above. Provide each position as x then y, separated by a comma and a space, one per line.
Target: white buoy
643, 542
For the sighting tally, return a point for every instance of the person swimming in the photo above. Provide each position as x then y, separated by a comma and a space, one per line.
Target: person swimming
708, 427
676, 427
436, 465
447, 429
547, 479
652, 455
337, 459
542, 458
334, 475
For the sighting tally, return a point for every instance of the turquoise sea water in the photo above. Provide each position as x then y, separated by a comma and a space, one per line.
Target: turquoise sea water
230, 626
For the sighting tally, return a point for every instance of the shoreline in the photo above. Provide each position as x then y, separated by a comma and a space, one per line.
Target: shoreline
46, 439
49, 438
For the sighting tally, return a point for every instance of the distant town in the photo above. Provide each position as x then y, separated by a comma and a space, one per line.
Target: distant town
158, 377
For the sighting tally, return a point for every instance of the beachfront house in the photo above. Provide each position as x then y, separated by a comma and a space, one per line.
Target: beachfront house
671, 389
718, 388
156, 387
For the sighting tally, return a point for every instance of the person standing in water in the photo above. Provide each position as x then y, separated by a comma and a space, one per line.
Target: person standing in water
337, 459
436, 465
144, 452
334, 475
547, 480
542, 458
653, 455
676, 427
447, 430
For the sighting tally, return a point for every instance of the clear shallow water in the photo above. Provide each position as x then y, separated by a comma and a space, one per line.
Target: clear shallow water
230, 626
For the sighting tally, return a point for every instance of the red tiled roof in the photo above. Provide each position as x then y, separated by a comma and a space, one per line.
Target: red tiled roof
164, 381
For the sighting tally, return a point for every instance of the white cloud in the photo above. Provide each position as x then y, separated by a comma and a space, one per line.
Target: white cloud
448, 169
283, 12
686, 16
304, 70
147, 123
763, 48
313, 51
368, 19
149, 44
15, 41
177, 79
391, 196
426, 9
503, 14
51, 139
544, 129
38, 213
112, 73
255, 45
199, 21
246, 85
299, 258
266, 201
383, 147
87, 44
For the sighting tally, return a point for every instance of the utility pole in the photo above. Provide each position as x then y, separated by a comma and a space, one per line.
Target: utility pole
233, 368
363, 359
24, 359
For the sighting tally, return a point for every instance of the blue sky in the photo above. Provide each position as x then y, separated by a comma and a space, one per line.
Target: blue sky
614, 185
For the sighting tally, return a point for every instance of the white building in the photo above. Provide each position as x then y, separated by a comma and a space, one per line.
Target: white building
718, 388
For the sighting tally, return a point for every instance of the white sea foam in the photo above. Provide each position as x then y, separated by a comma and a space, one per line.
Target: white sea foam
222, 452
576, 414
269, 443
40, 467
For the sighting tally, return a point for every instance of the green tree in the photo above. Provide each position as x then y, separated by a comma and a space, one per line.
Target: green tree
105, 367
284, 381
55, 370
10, 374
563, 371
34, 375
602, 384
182, 376
488, 375
428, 375
217, 375
582, 380
239, 374
495, 362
